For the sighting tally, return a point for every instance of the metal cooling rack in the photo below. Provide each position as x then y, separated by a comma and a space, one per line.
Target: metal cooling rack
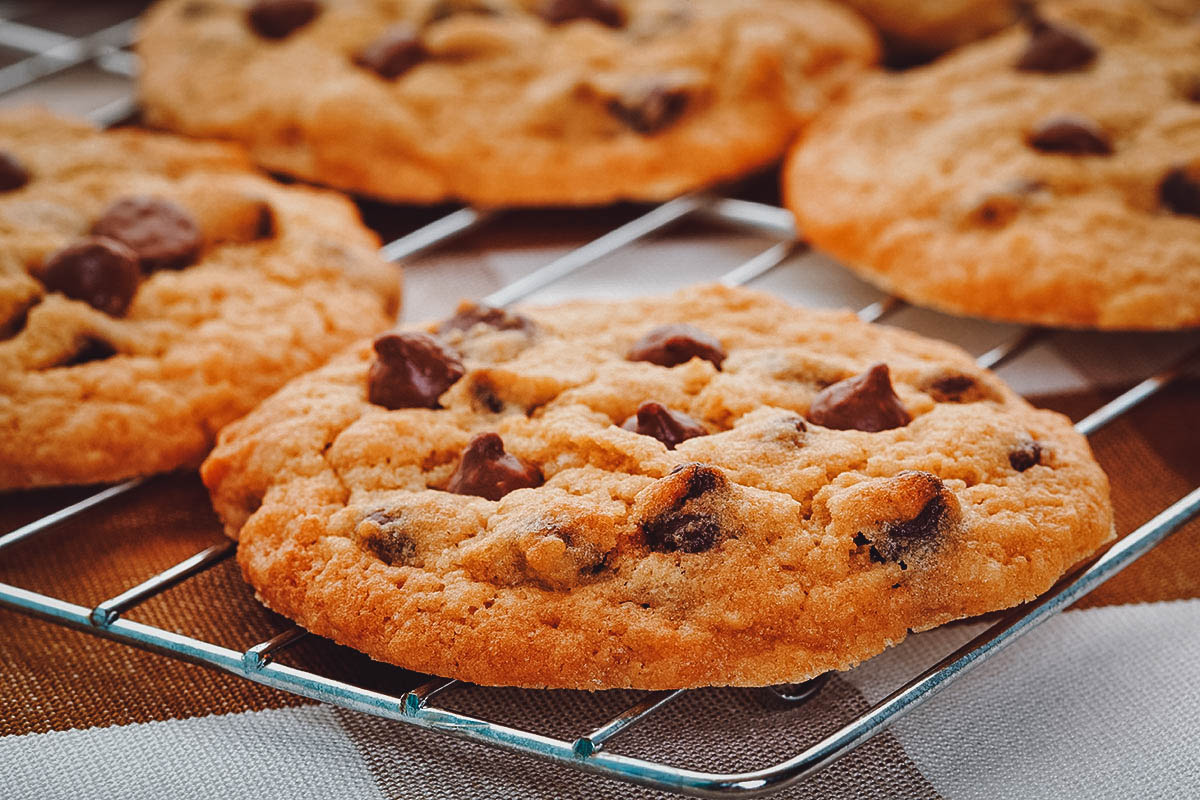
51, 53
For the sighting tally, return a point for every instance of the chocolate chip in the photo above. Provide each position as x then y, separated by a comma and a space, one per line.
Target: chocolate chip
89, 349
266, 227
670, 345
698, 479
688, 533
1025, 455
951, 388
487, 471
411, 370
1180, 191
606, 12
860, 539
1070, 134
163, 235
392, 54
1054, 48
649, 110
865, 402
383, 535
469, 315
1000, 205
101, 272
277, 19
896, 539
669, 427
13, 174
1191, 91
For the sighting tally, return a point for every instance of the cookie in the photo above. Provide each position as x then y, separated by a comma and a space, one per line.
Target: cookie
152, 290
915, 31
708, 488
1048, 175
501, 102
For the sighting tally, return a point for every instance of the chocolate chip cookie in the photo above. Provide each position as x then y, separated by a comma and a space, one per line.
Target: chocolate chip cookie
501, 102
708, 488
152, 290
1048, 175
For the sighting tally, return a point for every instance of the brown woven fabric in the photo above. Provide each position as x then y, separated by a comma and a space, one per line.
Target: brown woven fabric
57, 679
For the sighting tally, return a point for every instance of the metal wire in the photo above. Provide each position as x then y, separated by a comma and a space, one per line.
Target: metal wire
586, 752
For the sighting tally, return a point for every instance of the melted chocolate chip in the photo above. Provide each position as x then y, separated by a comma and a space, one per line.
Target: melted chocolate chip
101, 272
606, 12
671, 345
384, 536
412, 370
89, 349
999, 206
1070, 134
669, 427
1025, 455
865, 402
13, 174
487, 471
469, 315
951, 388
277, 19
1180, 192
688, 533
899, 537
698, 479
860, 539
650, 110
392, 54
163, 235
1054, 48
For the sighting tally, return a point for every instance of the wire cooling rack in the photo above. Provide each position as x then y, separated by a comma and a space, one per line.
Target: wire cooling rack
46, 53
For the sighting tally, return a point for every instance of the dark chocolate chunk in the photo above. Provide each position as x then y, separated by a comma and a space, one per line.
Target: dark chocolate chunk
1025, 455
487, 471
649, 110
897, 538
865, 402
101, 272
1055, 48
688, 533
277, 19
669, 427
1070, 134
394, 53
383, 535
1180, 191
469, 315
13, 174
670, 345
412, 370
89, 349
951, 388
163, 235
606, 12
860, 539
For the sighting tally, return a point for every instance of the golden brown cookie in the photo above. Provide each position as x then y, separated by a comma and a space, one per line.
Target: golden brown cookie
1048, 175
152, 290
708, 488
501, 102
918, 29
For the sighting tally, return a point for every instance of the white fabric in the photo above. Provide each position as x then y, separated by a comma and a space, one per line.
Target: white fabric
1093, 704
295, 753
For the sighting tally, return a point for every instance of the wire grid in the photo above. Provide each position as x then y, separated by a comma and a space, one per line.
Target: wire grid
49, 53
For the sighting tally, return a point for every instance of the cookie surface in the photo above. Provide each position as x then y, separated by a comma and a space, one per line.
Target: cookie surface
502, 102
708, 488
152, 290
1049, 175
924, 28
